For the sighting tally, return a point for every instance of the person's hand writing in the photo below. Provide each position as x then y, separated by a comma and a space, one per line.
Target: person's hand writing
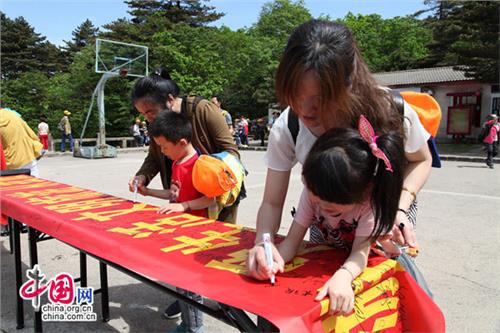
339, 290
141, 184
257, 264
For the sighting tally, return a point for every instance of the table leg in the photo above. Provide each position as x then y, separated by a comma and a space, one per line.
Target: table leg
104, 291
18, 272
11, 236
33, 238
83, 269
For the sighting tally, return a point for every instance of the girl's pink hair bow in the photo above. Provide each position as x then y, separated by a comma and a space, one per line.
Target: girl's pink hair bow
368, 134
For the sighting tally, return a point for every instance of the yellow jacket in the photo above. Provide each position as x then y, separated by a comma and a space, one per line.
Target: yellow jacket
20, 143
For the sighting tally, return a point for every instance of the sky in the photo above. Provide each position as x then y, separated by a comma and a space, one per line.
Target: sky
56, 19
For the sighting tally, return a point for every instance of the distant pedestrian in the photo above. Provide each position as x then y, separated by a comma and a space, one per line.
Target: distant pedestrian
65, 129
229, 120
236, 134
243, 132
491, 139
144, 133
261, 131
43, 132
136, 132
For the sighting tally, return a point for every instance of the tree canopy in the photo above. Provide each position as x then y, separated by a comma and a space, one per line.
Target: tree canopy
465, 35
39, 77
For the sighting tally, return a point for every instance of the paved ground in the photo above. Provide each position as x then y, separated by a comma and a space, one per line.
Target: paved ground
458, 228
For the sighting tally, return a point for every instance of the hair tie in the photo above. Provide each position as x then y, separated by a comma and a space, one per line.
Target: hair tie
162, 73
368, 134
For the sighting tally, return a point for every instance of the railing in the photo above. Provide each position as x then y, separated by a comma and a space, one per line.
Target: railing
54, 144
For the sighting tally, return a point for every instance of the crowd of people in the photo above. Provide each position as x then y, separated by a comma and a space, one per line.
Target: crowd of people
363, 164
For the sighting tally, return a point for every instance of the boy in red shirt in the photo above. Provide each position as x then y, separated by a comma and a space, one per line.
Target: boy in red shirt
172, 131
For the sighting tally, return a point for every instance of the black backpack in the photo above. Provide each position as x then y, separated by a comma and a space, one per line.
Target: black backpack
485, 131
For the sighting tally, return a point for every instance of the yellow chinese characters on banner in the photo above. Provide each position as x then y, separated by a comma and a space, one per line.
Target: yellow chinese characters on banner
17, 183
375, 297
161, 226
110, 214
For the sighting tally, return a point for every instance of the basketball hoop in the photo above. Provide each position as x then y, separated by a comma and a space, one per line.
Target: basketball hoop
123, 72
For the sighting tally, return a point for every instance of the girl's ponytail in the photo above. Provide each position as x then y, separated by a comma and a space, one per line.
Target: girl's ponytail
387, 185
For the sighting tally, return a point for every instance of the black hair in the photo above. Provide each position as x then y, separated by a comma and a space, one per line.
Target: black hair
173, 126
155, 88
341, 165
43, 117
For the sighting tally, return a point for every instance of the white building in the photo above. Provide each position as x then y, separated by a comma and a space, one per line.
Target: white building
464, 102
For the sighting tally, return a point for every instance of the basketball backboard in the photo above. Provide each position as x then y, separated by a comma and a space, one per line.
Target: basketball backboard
119, 57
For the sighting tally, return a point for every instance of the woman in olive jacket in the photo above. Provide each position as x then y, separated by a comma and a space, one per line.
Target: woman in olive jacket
157, 92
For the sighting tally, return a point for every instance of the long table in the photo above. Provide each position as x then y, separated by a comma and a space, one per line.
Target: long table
208, 257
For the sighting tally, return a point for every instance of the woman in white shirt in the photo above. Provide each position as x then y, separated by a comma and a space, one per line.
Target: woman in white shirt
324, 79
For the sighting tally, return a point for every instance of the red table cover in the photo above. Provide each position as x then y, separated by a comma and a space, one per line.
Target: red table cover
208, 257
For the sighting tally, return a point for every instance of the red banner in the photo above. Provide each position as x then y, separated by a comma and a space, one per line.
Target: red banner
208, 257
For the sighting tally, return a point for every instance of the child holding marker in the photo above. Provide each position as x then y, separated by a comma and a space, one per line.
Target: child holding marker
172, 131
353, 183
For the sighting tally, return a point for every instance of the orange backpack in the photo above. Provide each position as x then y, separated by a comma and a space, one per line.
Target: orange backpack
429, 113
428, 110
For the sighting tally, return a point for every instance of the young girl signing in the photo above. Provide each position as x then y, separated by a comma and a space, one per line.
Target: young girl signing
353, 183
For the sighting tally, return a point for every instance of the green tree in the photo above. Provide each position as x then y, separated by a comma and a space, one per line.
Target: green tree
389, 44
26, 94
278, 19
85, 34
191, 12
276, 22
154, 16
465, 35
23, 50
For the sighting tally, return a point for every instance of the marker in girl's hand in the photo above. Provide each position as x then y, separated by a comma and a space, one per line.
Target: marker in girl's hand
268, 249
136, 185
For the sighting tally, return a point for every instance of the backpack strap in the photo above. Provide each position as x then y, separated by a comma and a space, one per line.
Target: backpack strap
293, 125
398, 101
431, 142
196, 100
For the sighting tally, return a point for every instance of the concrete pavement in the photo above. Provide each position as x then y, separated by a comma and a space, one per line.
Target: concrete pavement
458, 230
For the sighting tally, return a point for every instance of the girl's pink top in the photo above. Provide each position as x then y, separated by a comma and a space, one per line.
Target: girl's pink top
493, 135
